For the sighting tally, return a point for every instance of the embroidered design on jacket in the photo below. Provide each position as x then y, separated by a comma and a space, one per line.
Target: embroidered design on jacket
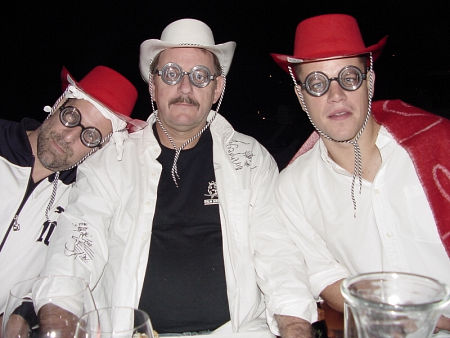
212, 193
81, 246
239, 156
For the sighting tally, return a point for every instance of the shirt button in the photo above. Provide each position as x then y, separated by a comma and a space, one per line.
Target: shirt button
389, 234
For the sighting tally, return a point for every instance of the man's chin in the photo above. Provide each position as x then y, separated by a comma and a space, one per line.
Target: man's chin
56, 166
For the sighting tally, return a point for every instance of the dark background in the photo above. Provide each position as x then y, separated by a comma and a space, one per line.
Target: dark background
38, 39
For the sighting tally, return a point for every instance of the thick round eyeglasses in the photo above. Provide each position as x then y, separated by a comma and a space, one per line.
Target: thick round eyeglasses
199, 76
70, 117
349, 78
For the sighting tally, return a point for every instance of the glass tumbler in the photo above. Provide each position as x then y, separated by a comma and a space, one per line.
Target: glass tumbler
115, 322
392, 304
47, 306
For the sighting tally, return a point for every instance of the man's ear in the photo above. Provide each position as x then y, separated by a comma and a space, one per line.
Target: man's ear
220, 82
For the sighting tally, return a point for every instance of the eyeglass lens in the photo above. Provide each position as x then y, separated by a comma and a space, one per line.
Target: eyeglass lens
199, 76
349, 78
71, 117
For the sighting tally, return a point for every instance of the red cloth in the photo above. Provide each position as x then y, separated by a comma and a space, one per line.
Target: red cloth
426, 137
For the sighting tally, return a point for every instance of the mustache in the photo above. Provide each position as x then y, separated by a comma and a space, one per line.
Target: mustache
184, 99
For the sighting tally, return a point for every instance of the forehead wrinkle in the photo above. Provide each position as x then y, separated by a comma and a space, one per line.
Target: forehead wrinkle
190, 57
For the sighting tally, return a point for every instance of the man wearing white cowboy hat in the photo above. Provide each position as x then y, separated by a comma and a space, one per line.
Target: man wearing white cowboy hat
39, 163
369, 190
169, 228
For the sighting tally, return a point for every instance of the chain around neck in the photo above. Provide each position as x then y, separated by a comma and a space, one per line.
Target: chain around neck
52, 197
174, 170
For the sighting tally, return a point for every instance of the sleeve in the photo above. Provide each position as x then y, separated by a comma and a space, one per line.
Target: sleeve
279, 264
321, 266
79, 244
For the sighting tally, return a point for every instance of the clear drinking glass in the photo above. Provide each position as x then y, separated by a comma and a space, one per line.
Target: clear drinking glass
115, 322
392, 304
30, 313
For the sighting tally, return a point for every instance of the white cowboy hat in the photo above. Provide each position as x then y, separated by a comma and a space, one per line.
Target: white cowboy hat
185, 33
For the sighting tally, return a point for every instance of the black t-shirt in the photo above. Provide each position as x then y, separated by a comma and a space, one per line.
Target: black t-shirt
184, 287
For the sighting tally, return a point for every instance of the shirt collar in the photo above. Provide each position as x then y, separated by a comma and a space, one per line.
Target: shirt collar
384, 141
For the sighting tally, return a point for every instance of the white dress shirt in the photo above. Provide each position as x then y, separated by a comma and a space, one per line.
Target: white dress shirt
394, 228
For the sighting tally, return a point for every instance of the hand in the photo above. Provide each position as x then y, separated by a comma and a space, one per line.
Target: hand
293, 327
442, 324
52, 318
16, 326
334, 321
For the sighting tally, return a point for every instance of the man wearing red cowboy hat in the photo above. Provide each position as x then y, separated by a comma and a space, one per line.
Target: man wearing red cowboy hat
169, 228
370, 189
39, 162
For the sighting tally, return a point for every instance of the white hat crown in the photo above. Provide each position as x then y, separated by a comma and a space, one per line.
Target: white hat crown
188, 32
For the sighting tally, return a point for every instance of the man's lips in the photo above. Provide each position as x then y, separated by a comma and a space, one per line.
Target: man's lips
339, 115
58, 147
183, 104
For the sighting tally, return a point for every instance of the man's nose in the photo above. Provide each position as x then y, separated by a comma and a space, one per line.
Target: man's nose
335, 92
185, 84
71, 135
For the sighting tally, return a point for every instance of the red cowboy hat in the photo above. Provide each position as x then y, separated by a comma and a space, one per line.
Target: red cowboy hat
110, 89
327, 36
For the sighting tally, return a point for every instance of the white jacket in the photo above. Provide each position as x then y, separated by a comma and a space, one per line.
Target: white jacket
108, 223
23, 248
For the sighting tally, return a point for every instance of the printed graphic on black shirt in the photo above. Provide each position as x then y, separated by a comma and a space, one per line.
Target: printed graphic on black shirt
212, 194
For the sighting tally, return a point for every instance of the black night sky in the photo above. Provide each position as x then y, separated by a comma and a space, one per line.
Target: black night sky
38, 39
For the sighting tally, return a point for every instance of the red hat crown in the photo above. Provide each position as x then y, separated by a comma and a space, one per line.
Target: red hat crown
325, 37
108, 87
